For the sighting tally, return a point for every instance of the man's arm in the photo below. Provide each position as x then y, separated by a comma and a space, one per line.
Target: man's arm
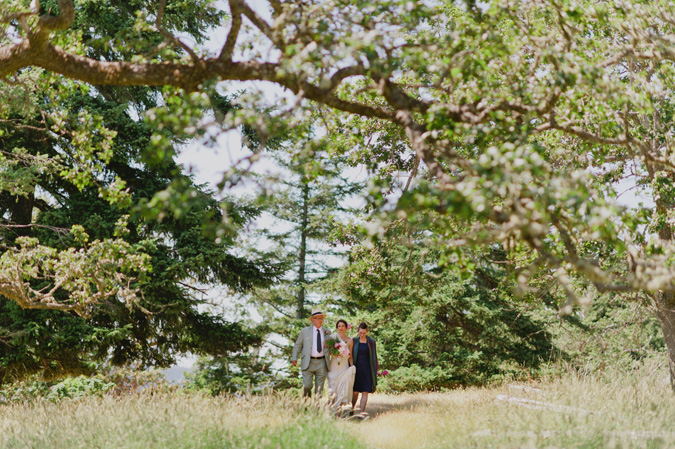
297, 348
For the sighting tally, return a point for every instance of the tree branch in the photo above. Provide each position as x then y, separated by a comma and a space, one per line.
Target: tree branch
168, 36
61, 22
246, 10
232, 35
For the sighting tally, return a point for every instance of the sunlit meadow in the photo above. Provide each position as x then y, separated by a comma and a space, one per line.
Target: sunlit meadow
575, 411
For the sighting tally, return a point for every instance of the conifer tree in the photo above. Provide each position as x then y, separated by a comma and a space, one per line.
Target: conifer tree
439, 323
110, 183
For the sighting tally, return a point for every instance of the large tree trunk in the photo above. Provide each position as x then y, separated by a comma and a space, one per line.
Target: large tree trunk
21, 215
665, 301
665, 310
302, 256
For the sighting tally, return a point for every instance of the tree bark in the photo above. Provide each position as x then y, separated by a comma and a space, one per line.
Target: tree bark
665, 310
665, 300
302, 256
22, 214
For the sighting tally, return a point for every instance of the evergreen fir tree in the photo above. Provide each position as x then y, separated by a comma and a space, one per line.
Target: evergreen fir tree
49, 183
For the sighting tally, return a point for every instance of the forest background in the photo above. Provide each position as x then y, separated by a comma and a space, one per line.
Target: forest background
486, 243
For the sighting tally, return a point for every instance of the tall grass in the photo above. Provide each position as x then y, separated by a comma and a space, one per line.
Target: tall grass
621, 410
172, 421
635, 410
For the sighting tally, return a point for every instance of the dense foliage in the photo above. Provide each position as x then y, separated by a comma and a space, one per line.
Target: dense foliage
511, 120
440, 326
111, 186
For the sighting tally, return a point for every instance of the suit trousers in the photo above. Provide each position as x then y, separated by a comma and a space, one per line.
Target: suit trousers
317, 372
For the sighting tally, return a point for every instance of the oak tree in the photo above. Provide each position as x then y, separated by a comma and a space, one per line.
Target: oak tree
518, 116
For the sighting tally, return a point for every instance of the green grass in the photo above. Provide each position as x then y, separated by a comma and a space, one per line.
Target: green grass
635, 410
173, 421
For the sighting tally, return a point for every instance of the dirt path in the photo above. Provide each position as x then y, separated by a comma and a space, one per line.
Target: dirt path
411, 420
507, 418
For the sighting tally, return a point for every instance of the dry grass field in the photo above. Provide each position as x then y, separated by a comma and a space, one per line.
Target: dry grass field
634, 411
574, 412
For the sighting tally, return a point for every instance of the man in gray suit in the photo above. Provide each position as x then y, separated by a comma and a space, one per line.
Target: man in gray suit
315, 361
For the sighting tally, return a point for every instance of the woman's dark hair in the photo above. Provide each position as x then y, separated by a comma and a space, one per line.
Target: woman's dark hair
341, 321
363, 325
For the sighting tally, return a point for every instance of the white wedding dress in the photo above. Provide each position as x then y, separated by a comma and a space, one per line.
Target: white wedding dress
341, 381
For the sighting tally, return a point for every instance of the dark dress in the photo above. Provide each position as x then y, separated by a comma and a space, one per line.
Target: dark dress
363, 381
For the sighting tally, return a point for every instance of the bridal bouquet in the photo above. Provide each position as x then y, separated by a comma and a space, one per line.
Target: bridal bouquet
336, 347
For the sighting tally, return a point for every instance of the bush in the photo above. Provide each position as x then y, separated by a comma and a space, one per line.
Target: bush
72, 387
24, 391
115, 380
242, 372
134, 379
79, 387
416, 378
611, 337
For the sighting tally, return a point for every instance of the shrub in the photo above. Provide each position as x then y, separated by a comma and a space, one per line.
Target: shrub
416, 378
78, 387
72, 387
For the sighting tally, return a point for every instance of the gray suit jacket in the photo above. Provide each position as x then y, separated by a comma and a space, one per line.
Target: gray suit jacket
303, 345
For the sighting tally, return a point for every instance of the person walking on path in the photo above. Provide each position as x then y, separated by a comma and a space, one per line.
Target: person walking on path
342, 371
314, 360
365, 360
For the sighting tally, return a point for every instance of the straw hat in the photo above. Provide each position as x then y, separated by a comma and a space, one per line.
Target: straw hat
316, 312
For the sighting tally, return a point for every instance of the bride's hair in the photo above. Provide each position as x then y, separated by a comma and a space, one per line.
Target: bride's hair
341, 321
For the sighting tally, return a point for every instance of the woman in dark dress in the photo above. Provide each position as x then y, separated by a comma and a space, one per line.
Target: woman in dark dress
365, 360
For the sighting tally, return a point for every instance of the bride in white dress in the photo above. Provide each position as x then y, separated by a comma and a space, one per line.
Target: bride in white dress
342, 370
